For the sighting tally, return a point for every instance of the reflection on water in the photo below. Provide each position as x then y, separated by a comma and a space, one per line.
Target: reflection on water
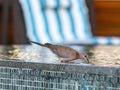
33, 53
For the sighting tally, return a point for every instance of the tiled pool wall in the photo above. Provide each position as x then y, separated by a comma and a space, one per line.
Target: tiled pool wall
39, 76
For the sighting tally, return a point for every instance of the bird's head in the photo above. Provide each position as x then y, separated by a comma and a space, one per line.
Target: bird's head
84, 57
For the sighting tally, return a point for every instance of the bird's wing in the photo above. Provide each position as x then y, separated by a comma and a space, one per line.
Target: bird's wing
62, 51
61, 54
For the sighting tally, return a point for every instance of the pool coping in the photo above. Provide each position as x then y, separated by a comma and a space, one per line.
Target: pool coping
64, 67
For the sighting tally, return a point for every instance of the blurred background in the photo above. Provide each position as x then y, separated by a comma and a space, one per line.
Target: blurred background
106, 21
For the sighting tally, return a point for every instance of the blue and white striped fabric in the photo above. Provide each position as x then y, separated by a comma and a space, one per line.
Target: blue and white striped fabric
56, 21
99, 41
60, 21
105, 41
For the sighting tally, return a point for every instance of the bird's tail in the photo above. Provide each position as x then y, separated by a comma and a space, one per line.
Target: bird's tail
44, 45
37, 43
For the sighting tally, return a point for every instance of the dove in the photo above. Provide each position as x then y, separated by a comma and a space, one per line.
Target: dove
65, 53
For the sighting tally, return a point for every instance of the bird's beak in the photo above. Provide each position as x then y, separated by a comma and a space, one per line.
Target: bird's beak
87, 60
85, 57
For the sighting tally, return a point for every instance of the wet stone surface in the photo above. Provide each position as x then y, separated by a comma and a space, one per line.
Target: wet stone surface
99, 55
33, 53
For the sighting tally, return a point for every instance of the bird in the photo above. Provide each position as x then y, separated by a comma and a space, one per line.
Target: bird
65, 53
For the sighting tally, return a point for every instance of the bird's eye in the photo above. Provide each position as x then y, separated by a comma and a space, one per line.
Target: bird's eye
86, 56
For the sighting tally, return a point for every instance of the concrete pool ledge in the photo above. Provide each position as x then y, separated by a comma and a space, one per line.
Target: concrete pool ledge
20, 75
64, 67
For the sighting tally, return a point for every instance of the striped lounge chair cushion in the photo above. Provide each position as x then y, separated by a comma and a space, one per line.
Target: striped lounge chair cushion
105, 41
98, 41
61, 21
56, 21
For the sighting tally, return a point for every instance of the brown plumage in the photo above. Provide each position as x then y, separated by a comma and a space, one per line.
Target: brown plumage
65, 53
